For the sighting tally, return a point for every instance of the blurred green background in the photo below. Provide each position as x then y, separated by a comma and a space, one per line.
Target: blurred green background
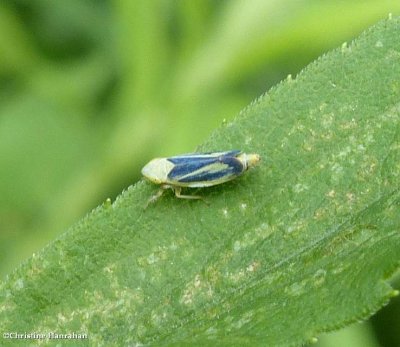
91, 90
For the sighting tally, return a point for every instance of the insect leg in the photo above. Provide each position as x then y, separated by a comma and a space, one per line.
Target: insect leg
157, 195
178, 194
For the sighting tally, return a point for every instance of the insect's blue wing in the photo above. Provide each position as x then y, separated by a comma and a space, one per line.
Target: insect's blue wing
207, 168
185, 166
191, 160
191, 157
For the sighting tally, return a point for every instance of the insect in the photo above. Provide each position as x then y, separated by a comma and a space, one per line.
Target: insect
195, 170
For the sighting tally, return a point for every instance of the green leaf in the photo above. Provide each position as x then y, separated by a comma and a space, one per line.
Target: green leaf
301, 244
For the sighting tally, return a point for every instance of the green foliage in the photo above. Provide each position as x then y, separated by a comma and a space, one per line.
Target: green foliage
302, 244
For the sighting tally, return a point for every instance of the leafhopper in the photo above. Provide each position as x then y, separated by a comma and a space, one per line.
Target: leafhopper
197, 170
